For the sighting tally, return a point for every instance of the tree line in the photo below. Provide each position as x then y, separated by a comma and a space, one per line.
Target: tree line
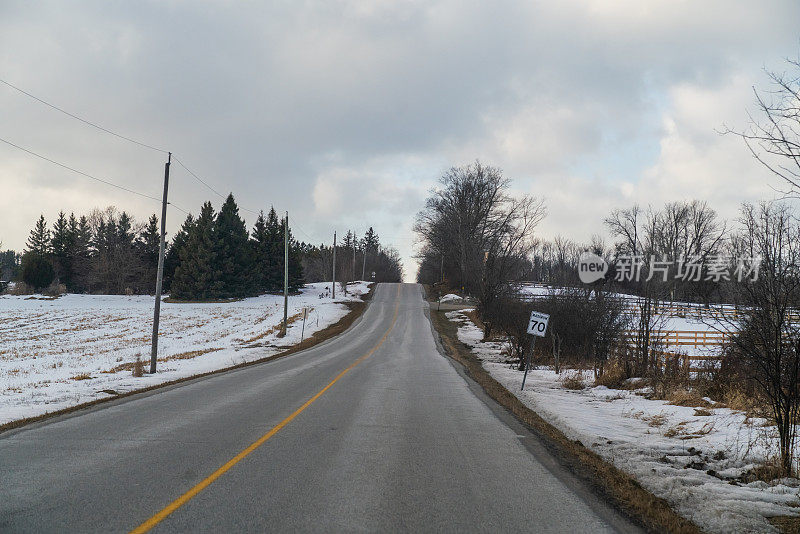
212, 256
356, 259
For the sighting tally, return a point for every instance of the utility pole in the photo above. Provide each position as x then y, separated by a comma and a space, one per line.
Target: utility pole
441, 270
160, 275
354, 257
333, 285
364, 264
285, 274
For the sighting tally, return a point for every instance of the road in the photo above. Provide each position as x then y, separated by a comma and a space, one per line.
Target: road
374, 430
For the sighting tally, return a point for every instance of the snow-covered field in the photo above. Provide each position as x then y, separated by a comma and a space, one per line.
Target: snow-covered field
691, 458
77, 348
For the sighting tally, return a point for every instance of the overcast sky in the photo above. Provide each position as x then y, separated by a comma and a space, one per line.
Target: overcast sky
346, 113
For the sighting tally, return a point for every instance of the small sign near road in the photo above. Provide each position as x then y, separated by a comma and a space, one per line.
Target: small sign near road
537, 325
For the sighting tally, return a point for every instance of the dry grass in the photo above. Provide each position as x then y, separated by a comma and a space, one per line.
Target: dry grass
687, 398
189, 355
652, 512
171, 300
82, 376
657, 420
138, 367
766, 472
739, 400
131, 366
702, 412
787, 524
613, 376
573, 381
275, 328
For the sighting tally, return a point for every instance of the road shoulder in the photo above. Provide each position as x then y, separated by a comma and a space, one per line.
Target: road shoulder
594, 479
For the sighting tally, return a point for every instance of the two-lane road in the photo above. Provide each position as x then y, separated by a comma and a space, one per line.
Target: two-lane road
374, 430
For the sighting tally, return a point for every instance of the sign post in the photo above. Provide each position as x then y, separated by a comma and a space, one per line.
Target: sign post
537, 327
303, 331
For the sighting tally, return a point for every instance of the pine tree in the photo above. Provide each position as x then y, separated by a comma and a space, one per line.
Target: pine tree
39, 239
196, 273
371, 246
124, 235
274, 267
83, 237
349, 239
233, 253
371, 242
60, 245
173, 256
261, 251
296, 280
150, 243
80, 254
296, 275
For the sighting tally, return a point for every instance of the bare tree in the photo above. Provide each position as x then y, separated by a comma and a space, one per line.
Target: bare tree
480, 231
768, 338
774, 138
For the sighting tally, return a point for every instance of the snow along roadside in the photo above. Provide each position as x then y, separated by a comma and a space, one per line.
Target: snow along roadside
77, 349
689, 460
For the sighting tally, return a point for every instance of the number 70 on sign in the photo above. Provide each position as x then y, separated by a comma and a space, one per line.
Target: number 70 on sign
537, 325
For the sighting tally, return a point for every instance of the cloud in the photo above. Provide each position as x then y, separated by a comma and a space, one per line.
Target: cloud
345, 113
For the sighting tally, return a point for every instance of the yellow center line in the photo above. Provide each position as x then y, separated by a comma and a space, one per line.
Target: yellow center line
186, 497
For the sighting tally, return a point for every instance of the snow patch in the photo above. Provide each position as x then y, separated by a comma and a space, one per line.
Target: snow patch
693, 461
57, 353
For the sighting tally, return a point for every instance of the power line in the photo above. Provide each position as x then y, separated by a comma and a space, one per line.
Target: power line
87, 175
90, 123
198, 178
120, 136
106, 130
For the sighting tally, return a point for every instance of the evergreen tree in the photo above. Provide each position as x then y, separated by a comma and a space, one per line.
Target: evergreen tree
60, 246
274, 266
37, 270
150, 243
39, 238
371, 242
80, 254
196, 274
349, 240
173, 256
296, 280
83, 237
101, 278
9, 265
233, 253
124, 236
262, 250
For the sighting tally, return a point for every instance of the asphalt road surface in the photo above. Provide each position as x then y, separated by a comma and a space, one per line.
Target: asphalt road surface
399, 441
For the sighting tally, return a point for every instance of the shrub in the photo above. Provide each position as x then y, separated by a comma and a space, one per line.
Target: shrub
614, 376
138, 367
37, 271
573, 381
55, 290
21, 288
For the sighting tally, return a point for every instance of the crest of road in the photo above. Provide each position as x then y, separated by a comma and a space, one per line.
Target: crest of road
375, 430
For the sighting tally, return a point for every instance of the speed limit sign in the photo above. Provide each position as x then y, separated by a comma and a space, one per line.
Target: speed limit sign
537, 325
